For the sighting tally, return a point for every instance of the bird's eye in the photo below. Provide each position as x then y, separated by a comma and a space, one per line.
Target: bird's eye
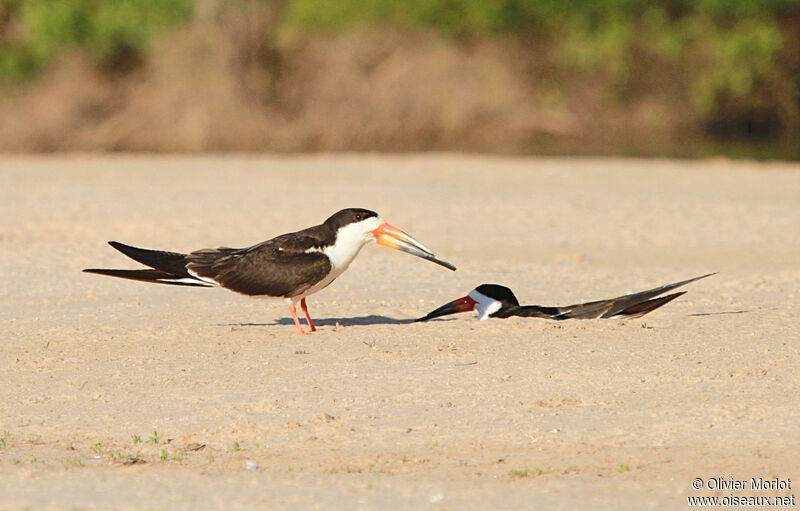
359, 218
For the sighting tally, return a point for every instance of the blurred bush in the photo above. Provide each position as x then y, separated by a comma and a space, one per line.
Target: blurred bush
114, 32
730, 52
735, 63
459, 17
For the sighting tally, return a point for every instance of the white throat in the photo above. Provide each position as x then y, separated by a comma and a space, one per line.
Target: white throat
349, 241
484, 305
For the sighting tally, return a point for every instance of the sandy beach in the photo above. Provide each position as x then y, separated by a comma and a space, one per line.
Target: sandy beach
123, 395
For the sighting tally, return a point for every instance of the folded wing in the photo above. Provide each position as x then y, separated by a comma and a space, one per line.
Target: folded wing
630, 306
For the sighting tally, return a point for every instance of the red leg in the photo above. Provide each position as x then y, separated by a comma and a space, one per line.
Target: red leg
293, 310
308, 317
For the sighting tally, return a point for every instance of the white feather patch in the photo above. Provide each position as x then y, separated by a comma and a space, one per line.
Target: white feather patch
484, 304
187, 280
208, 281
350, 239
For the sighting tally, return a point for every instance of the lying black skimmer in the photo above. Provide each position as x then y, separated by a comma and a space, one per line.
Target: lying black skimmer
291, 266
495, 301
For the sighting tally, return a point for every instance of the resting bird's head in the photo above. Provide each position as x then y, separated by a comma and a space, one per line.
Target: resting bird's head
486, 299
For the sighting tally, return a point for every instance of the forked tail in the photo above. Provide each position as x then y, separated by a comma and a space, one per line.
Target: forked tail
166, 267
627, 306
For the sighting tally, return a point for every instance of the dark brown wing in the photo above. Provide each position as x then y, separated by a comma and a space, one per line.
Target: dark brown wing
528, 311
589, 310
620, 305
640, 309
285, 266
633, 305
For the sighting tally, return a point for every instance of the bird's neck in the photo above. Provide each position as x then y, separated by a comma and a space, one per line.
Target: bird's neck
347, 246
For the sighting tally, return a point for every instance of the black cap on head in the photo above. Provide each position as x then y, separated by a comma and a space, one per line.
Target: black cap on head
349, 216
498, 292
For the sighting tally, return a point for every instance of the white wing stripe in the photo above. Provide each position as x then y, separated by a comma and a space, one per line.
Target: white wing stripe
208, 281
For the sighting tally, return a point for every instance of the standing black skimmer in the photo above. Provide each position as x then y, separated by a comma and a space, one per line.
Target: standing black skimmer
495, 301
291, 266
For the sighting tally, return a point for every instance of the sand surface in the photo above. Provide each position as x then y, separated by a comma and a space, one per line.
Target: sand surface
102, 378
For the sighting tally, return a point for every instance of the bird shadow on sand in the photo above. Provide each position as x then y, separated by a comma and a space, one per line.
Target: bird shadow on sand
722, 313
372, 319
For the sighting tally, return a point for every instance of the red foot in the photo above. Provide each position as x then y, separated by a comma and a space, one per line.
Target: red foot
308, 317
293, 310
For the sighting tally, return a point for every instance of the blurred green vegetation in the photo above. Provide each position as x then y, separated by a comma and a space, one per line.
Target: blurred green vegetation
459, 17
734, 57
729, 51
114, 32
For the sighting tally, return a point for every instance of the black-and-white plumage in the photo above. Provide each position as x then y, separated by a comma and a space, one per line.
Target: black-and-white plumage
291, 266
496, 301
